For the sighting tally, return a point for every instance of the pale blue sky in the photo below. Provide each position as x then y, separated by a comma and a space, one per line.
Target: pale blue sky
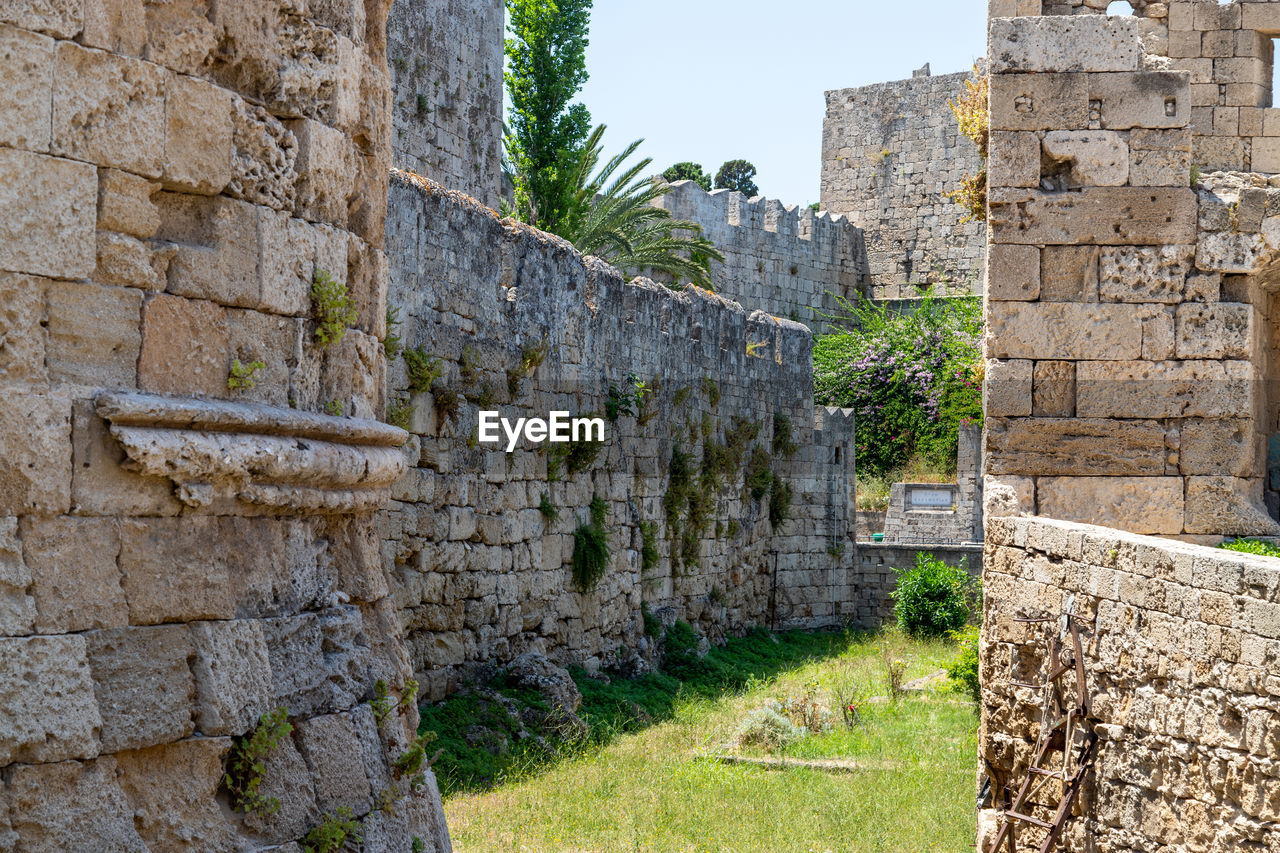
713, 80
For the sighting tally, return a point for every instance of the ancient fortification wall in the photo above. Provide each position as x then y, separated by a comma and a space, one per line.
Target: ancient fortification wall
788, 261
525, 325
171, 568
1126, 311
1181, 653
446, 71
1129, 383
890, 153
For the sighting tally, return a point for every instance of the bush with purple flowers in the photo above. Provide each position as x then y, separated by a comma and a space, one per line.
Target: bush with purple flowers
912, 378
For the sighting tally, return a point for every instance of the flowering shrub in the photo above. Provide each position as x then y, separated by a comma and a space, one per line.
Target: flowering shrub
912, 378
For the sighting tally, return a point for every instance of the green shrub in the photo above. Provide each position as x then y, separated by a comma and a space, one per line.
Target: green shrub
648, 546
680, 652
652, 624
423, 368
548, 509
591, 548
759, 477
931, 599
1252, 546
242, 375
963, 671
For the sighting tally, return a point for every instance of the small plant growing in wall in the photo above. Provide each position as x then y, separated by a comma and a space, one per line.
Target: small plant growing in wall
712, 391
246, 764
648, 546
591, 547
784, 443
548, 509
974, 121
759, 476
448, 404
334, 408
393, 344
335, 831
413, 762
531, 358
331, 308
400, 413
424, 370
780, 495
241, 377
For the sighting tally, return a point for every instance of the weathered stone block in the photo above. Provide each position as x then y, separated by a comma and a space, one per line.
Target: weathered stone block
1151, 505
182, 816
1039, 102
1106, 216
99, 485
117, 26
94, 335
47, 212
126, 205
1159, 168
272, 340
1069, 274
1013, 273
182, 570
59, 18
76, 582
333, 752
1075, 447
1133, 274
185, 349
17, 608
1006, 390
1221, 330
108, 110
197, 145
287, 779
1227, 506
287, 264
22, 332
1098, 158
1004, 497
180, 35
142, 678
72, 806
1229, 252
262, 158
1062, 330
1221, 447
318, 661
217, 252
1014, 159
126, 262
26, 88
35, 442
326, 167
1063, 44
1054, 394
1157, 333
1164, 389
46, 700
232, 676
1148, 99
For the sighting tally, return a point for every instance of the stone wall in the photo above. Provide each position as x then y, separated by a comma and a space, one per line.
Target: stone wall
788, 261
890, 153
1128, 380
1181, 654
920, 521
178, 558
446, 73
525, 325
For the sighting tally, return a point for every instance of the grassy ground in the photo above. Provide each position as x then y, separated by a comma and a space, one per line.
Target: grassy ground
641, 781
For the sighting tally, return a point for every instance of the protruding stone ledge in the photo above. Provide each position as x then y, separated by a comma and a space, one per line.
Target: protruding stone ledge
222, 455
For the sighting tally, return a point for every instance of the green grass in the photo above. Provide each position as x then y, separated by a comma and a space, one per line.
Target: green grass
641, 779
1252, 546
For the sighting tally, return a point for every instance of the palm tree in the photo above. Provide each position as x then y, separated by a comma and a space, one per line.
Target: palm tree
614, 219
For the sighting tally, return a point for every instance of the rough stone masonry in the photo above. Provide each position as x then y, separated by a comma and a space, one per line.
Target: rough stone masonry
178, 558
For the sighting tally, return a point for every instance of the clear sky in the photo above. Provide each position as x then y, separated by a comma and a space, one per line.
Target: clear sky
715, 80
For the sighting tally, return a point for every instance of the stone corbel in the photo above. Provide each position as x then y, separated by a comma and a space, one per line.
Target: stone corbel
220, 453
